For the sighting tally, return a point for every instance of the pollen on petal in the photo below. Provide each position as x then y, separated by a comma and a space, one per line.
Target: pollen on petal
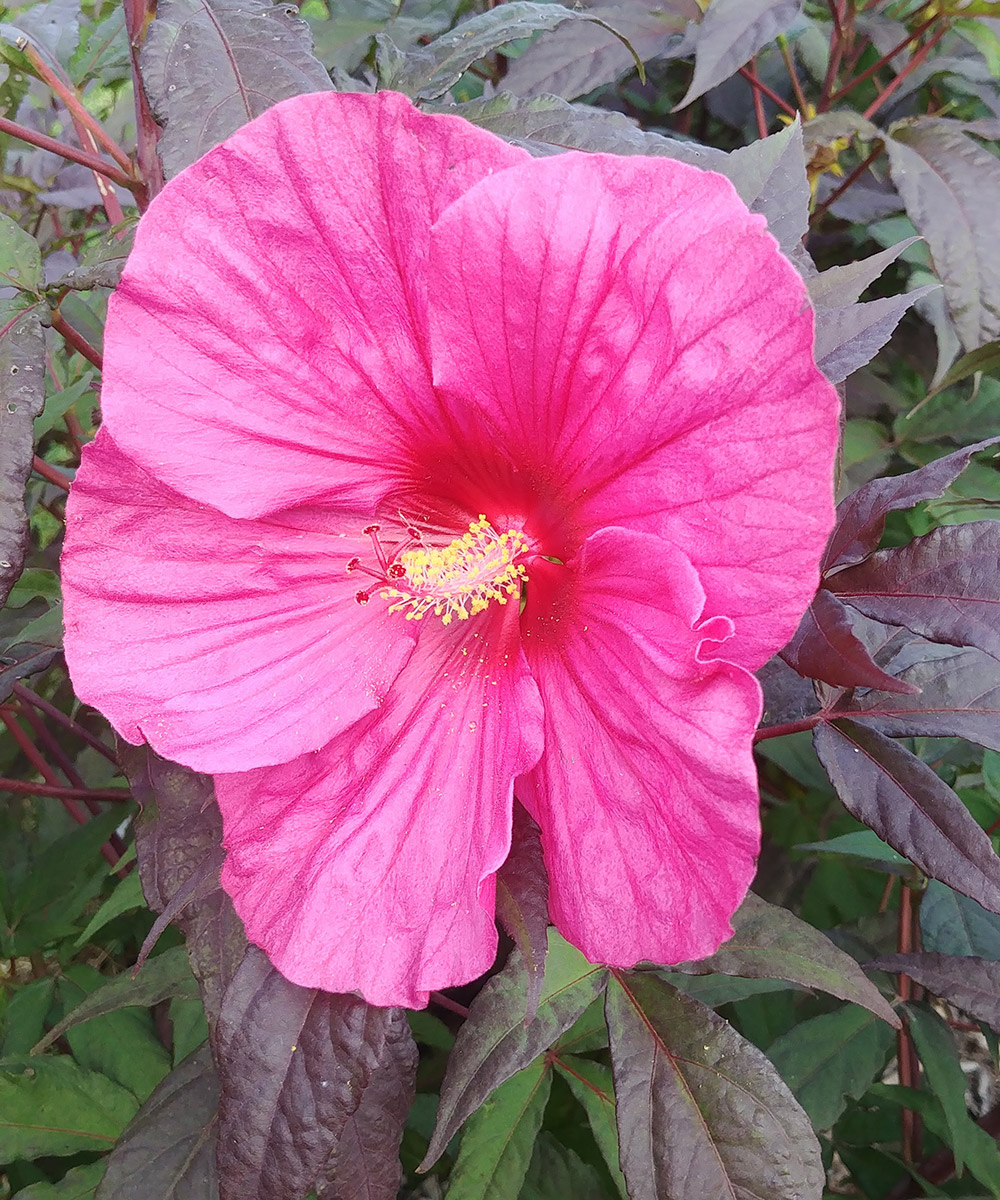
462, 578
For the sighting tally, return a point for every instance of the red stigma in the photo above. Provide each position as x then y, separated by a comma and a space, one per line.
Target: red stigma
362, 597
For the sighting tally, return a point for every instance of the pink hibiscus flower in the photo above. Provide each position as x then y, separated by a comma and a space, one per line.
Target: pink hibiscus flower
432, 475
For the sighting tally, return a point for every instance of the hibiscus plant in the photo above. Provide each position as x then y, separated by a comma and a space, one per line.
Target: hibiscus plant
500, 643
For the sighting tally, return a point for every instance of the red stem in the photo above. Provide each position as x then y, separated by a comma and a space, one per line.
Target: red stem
773, 731
76, 340
837, 47
44, 142
910, 67
851, 179
81, 117
909, 1073
49, 473
24, 787
868, 72
27, 696
443, 1001
758, 85
147, 130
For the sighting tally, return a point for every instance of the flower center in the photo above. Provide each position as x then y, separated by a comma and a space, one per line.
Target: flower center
457, 580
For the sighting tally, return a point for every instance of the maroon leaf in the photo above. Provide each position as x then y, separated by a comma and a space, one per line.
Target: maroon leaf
861, 516
495, 1043
730, 34
523, 901
944, 586
22, 395
947, 182
771, 943
959, 693
577, 57
787, 696
770, 177
701, 1111
840, 287
167, 1152
296, 1065
825, 647
179, 848
849, 337
26, 658
209, 66
973, 984
910, 807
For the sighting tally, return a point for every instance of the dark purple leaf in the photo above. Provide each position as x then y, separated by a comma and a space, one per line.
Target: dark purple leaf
948, 183
787, 696
701, 1111
209, 66
495, 1043
22, 396
959, 694
910, 807
826, 647
428, 73
295, 1065
361, 1169
972, 984
861, 516
770, 177
771, 943
523, 901
179, 846
547, 125
944, 586
730, 34
168, 1150
22, 660
848, 338
577, 58
840, 287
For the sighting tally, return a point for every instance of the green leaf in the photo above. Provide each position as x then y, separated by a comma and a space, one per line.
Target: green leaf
58, 404
867, 848
498, 1140
166, 975
556, 1173
983, 358
828, 1058
53, 1106
79, 1183
951, 923
126, 897
701, 1112
20, 258
24, 1017
35, 584
938, 1053
982, 1153
495, 1043
592, 1085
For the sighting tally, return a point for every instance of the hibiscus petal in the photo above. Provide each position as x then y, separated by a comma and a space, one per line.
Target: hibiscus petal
225, 644
644, 347
371, 865
270, 321
646, 793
